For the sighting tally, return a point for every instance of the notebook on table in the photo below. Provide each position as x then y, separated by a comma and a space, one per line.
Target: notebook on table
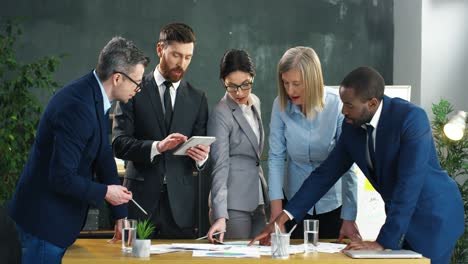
390, 254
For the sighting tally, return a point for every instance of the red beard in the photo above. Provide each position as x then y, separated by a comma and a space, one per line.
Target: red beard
174, 75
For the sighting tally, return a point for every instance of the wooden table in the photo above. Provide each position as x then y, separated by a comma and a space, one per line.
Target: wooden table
99, 251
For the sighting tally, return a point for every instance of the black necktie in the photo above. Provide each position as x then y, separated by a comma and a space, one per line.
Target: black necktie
370, 144
167, 106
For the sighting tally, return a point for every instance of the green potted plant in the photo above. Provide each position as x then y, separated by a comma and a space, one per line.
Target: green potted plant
142, 244
20, 109
453, 157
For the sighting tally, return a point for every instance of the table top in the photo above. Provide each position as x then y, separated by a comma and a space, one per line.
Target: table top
99, 251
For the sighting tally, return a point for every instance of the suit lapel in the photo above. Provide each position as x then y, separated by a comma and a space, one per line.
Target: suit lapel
381, 136
99, 107
262, 133
152, 88
243, 124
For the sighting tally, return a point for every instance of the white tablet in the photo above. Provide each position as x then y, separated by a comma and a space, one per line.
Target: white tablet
192, 142
384, 254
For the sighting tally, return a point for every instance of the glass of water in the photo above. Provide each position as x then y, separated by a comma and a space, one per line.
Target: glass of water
311, 235
128, 234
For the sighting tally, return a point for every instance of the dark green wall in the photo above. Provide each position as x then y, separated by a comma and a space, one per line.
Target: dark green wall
345, 34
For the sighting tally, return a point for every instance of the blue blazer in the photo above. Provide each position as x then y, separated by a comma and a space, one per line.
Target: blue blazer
56, 187
422, 203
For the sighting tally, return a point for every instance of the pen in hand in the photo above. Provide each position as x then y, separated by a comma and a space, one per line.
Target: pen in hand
217, 233
141, 208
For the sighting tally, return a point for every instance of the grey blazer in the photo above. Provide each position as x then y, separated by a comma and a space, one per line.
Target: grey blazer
235, 157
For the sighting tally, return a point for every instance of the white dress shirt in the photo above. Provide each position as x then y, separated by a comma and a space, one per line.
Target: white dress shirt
172, 91
374, 122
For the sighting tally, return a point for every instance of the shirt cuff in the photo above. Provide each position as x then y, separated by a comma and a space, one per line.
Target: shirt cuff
154, 150
276, 195
291, 217
201, 163
348, 213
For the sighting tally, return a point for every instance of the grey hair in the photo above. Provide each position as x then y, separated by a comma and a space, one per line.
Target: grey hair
307, 62
119, 54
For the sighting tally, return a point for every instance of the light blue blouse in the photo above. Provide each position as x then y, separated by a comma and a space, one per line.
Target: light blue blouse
306, 144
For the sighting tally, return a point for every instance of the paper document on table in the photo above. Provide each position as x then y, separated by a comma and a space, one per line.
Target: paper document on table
199, 246
293, 249
237, 249
162, 248
324, 247
240, 243
167, 248
233, 252
264, 250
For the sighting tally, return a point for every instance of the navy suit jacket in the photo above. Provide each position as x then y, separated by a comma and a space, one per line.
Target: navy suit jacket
56, 187
422, 203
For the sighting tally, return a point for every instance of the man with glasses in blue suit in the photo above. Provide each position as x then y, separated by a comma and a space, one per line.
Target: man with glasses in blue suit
72, 146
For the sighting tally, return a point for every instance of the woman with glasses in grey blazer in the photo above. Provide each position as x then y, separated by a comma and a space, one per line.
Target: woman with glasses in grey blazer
238, 190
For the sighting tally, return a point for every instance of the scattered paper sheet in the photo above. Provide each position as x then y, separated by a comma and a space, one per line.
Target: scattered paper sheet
199, 246
264, 250
161, 249
324, 247
234, 252
238, 249
167, 248
240, 243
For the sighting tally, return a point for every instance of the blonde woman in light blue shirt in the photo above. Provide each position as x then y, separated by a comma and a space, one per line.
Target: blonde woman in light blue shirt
305, 126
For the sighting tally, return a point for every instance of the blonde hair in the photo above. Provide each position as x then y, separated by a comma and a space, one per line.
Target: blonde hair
307, 62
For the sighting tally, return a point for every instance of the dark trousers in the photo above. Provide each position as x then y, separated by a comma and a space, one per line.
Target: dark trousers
166, 227
329, 225
160, 214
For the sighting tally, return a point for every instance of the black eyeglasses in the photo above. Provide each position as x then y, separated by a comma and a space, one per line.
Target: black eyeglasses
138, 85
232, 88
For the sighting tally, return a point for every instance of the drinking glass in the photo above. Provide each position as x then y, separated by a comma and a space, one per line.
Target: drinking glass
128, 234
311, 235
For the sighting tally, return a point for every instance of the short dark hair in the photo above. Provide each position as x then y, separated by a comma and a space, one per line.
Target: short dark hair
119, 54
178, 32
366, 82
236, 60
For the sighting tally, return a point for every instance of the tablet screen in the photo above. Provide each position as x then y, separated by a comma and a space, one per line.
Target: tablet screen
192, 142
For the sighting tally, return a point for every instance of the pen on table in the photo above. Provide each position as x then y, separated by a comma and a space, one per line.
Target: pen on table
217, 233
143, 210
